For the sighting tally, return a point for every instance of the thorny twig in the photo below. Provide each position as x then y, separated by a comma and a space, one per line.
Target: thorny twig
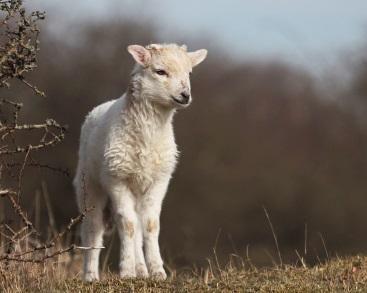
19, 45
73, 222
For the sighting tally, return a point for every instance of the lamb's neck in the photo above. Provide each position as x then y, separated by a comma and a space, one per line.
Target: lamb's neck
145, 119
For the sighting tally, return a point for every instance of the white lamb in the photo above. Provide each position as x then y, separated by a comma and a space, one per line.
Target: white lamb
127, 155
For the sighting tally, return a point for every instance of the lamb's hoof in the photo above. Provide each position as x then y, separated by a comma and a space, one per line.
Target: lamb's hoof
159, 275
141, 271
90, 277
127, 274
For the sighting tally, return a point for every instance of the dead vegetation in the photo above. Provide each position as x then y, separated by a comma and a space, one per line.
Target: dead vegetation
20, 239
338, 275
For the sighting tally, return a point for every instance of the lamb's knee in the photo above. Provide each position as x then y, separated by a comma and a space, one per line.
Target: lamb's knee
128, 224
151, 226
129, 228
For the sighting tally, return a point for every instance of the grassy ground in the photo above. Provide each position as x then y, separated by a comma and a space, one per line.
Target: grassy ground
338, 275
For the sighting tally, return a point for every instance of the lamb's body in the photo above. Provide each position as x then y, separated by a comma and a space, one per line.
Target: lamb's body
131, 141
127, 155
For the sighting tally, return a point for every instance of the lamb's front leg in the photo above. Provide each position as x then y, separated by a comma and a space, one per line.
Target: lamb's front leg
123, 202
140, 266
150, 210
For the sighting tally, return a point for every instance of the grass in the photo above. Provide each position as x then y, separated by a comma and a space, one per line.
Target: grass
337, 275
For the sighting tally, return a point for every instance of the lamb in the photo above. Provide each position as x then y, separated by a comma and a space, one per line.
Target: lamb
127, 156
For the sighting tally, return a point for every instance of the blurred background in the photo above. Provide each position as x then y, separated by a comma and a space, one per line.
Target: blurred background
278, 120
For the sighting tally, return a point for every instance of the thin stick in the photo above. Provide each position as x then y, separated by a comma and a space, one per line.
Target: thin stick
37, 210
274, 236
271, 258
232, 243
89, 247
305, 238
21, 171
248, 259
324, 245
49, 209
301, 259
215, 249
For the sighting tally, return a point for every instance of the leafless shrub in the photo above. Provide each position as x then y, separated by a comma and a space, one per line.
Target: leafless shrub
20, 240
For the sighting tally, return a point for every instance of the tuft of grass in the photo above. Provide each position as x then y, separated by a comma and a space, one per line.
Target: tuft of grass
337, 275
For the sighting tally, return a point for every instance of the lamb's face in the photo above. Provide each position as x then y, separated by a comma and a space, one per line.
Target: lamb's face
166, 71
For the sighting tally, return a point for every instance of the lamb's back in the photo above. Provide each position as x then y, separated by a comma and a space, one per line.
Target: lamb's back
93, 134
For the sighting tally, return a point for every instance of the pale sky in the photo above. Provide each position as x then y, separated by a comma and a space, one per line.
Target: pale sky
304, 32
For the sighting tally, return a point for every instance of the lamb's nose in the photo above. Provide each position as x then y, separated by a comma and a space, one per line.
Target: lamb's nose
185, 97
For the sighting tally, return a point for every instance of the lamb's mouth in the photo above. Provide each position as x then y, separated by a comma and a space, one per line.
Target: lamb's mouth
181, 101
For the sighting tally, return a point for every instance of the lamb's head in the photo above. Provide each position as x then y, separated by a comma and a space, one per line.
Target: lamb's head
163, 72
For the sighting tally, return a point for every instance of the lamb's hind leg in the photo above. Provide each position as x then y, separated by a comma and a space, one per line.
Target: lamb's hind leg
92, 229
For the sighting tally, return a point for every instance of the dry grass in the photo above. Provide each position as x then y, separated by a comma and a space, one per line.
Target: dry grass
338, 275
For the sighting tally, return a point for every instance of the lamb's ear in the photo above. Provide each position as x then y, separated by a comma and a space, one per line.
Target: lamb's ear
197, 56
140, 54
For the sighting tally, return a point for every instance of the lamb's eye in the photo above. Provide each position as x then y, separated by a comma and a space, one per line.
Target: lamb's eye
190, 73
161, 72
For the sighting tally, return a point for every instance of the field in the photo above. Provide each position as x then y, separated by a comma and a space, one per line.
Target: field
337, 275
262, 135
